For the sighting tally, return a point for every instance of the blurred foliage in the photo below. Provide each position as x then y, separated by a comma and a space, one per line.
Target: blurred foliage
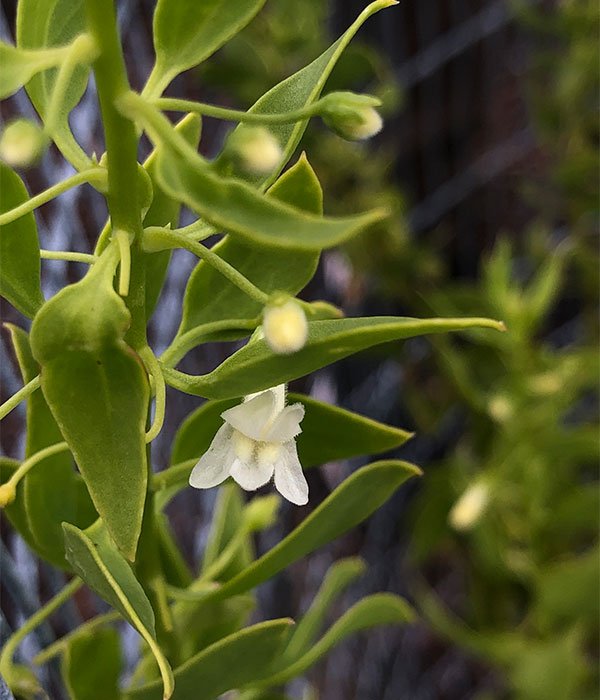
515, 504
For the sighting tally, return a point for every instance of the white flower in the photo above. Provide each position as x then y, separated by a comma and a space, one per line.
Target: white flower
285, 326
255, 443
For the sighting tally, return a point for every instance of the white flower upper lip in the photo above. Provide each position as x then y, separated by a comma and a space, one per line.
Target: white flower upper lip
255, 443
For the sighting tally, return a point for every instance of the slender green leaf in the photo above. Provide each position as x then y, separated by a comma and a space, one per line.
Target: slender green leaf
175, 568
270, 269
377, 609
91, 665
302, 89
46, 506
230, 663
330, 433
256, 367
44, 24
19, 249
351, 503
233, 206
105, 570
339, 576
226, 520
354, 435
187, 32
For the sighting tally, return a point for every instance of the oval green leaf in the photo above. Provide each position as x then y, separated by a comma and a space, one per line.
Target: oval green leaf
95, 558
19, 249
99, 401
187, 32
230, 663
256, 367
97, 390
46, 506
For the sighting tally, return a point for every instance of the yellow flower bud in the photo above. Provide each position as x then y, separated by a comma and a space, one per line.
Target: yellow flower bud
22, 143
8, 493
285, 326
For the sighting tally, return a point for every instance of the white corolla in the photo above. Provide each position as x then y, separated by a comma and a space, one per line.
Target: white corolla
257, 442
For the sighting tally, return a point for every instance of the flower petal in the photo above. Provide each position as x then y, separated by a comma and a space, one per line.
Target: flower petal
251, 416
251, 475
214, 465
287, 424
289, 478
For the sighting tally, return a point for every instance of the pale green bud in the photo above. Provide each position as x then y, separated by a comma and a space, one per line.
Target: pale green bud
352, 116
261, 512
255, 148
22, 143
284, 325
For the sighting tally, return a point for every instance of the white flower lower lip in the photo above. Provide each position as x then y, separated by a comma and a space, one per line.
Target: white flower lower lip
256, 443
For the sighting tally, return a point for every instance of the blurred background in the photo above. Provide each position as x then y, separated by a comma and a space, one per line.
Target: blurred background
489, 162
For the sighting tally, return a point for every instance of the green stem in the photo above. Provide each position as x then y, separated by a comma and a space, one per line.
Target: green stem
197, 230
95, 176
82, 50
188, 383
189, 340
191, 594
174, 475
226, 556
121, 152
153, 367
155, 236
157, 82
21, 395
122, 239
59, 645
6, 657
120, 132
175, 105
68, 255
